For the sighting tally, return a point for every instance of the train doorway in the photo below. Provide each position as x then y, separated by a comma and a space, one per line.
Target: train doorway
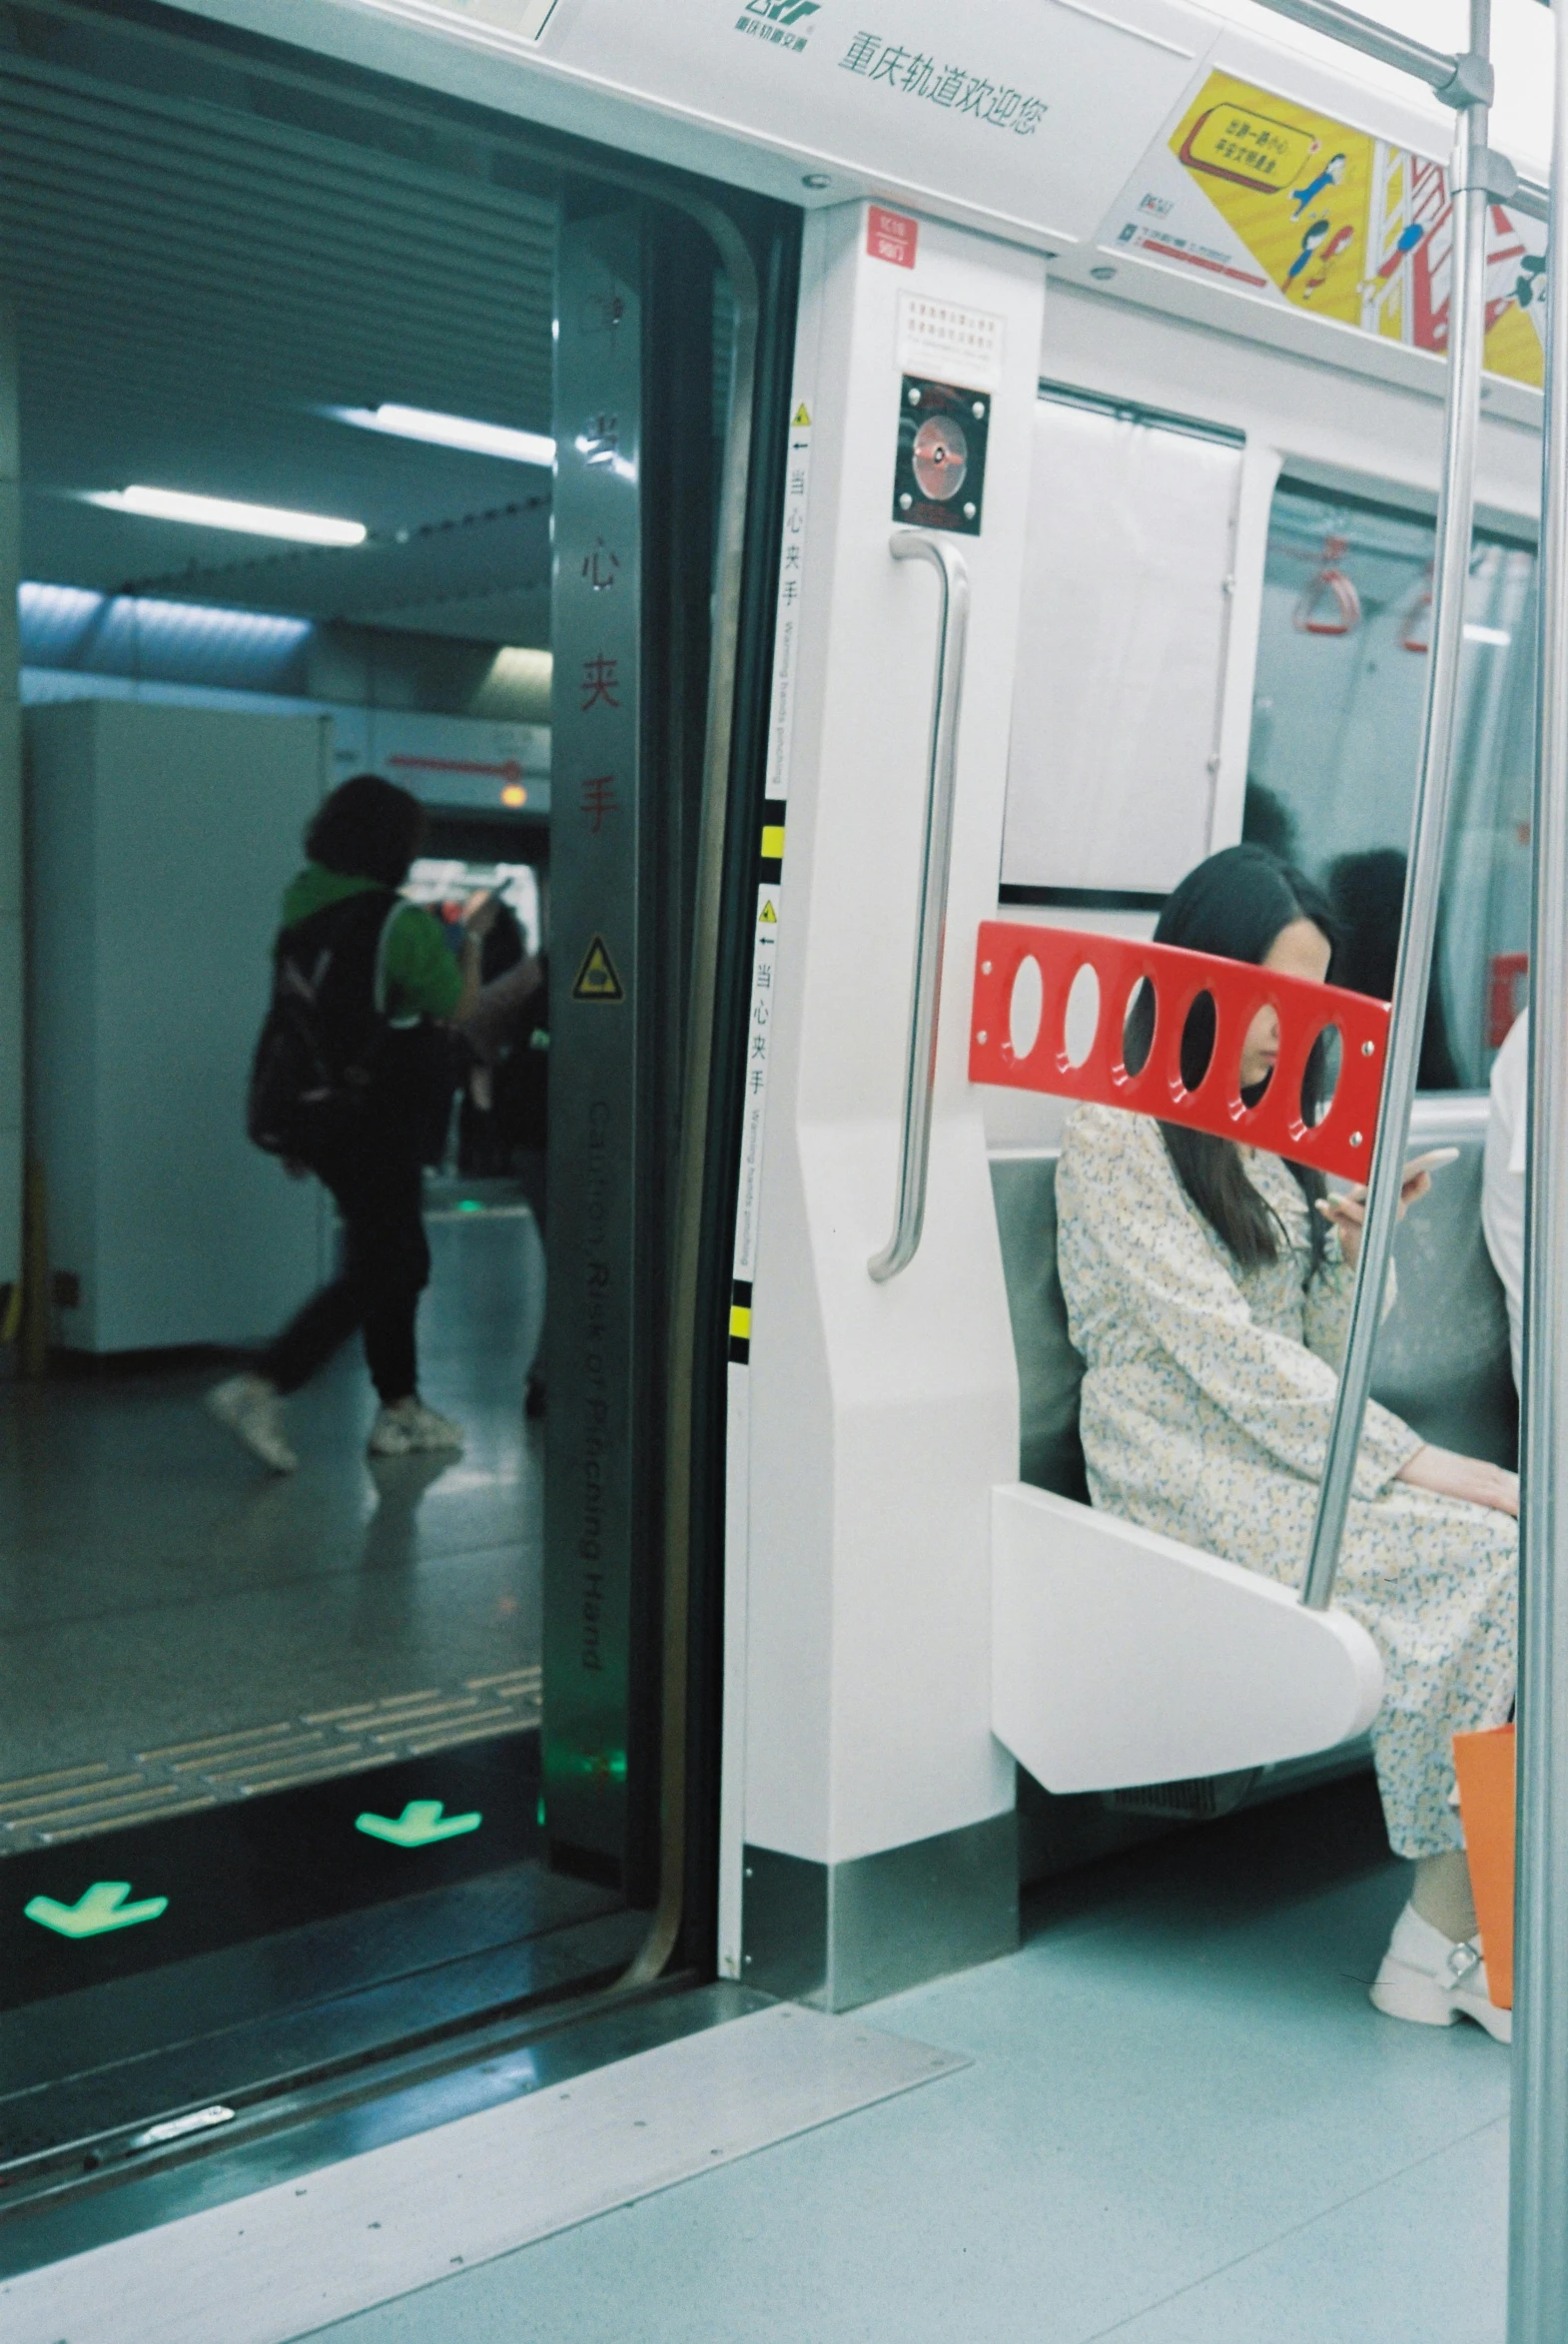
360, 430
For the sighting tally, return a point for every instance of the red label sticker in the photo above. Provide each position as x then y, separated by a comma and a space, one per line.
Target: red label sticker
890, 236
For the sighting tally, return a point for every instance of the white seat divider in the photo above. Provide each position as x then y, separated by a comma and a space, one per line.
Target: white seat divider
1122, 1657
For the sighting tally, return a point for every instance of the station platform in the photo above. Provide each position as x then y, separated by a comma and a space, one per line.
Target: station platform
180, 1628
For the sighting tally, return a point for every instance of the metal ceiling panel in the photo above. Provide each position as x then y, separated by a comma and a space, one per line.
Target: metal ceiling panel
203, 253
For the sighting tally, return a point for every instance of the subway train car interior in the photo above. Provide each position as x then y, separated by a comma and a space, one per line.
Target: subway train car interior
783, 1172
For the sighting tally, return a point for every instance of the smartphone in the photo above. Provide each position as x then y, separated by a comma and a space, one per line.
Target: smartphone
1432, 1160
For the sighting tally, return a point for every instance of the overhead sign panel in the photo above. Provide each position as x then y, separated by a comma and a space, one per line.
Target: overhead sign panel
1035, 108
1250, 190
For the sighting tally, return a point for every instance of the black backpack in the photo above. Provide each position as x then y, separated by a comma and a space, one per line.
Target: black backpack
317, 1059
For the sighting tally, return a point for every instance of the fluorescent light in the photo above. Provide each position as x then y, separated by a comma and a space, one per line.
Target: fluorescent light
51, 614
517, 686
417, 423
225, 513
1489, 634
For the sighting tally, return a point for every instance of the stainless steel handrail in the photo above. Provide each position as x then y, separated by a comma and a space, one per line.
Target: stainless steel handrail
1355, 31
1532, 196
920, 1068
1455, 513
1538, 2237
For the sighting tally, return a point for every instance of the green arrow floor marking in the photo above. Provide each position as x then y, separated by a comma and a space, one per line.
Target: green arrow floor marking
101, 1907
420, 1825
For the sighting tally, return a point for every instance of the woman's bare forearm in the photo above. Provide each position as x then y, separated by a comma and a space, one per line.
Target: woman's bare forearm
1447, 1474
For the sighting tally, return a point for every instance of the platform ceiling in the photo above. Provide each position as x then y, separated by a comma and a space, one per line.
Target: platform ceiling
203, 249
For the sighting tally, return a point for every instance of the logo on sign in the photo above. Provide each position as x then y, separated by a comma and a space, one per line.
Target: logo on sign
784, 23
892, 237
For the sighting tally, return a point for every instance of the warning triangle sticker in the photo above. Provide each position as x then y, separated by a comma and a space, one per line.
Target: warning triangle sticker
801, 419
768, 915
597, 978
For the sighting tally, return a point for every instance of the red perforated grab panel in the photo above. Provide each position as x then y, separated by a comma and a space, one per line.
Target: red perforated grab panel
1340, 1143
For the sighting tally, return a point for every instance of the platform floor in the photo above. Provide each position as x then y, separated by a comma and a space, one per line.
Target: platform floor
1183, 2124
159, 1589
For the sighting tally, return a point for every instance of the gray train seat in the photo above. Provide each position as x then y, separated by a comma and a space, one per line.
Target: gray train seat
1442, 1358
1124, 1659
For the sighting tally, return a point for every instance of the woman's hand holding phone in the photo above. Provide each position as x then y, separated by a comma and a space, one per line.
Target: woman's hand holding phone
1348, 1211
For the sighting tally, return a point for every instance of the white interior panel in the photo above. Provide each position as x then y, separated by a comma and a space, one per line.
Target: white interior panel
881, 1414
1122, 643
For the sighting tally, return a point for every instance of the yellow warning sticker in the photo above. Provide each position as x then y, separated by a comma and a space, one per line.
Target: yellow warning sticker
773, 842
801, 420
597, 978
740, 1323
768, 916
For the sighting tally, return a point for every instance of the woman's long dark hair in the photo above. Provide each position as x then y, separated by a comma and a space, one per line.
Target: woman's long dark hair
1235, 905
367, 829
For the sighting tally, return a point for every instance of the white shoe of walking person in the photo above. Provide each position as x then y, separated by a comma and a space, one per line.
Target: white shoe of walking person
408, 1429
1426, 1978
251, 1408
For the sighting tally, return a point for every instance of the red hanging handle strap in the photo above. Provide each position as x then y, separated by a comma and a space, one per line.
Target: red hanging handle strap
1329, 603
1340, 1143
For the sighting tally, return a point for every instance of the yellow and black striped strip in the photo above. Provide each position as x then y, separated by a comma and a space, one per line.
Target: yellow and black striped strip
740, 1322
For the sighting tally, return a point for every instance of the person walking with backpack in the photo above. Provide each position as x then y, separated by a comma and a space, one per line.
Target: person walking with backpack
352, 1082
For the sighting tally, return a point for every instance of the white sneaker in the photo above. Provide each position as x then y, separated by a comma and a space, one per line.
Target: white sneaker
410, 1429
250, 1409
1428, 1979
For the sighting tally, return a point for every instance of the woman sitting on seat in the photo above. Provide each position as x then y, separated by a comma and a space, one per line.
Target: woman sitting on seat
1208, 1287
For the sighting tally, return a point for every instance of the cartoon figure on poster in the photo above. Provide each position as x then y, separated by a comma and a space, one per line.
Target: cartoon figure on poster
1330, 176
1309, 244
1291, 205
1335, 247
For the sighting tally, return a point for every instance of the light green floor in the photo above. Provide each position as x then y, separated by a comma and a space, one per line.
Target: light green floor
1183, 2124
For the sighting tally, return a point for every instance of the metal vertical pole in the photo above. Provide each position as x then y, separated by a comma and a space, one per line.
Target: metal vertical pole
1456, 504
1538, 2199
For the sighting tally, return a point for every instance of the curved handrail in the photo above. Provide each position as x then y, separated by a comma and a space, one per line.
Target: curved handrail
931, 914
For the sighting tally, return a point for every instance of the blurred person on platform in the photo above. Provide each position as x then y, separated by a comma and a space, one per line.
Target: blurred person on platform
365, 987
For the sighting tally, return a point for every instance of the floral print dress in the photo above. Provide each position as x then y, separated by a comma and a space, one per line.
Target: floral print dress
1206, 1411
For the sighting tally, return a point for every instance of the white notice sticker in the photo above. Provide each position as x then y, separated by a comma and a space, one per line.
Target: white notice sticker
948, 344
786, 634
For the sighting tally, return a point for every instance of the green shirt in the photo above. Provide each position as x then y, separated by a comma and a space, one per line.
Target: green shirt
422, 975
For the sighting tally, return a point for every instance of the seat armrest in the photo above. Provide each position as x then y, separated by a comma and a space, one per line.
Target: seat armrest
1120, 1656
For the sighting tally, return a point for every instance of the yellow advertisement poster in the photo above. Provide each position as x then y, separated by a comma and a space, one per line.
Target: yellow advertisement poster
1292, 206
1294, 186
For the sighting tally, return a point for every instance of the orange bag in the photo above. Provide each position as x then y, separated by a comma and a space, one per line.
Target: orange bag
1484, 1764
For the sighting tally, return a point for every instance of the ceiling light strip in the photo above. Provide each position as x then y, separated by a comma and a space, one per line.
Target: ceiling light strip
226, 513
439, 431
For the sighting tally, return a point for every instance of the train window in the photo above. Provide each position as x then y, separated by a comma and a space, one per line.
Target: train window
1337, 731
1116, 712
